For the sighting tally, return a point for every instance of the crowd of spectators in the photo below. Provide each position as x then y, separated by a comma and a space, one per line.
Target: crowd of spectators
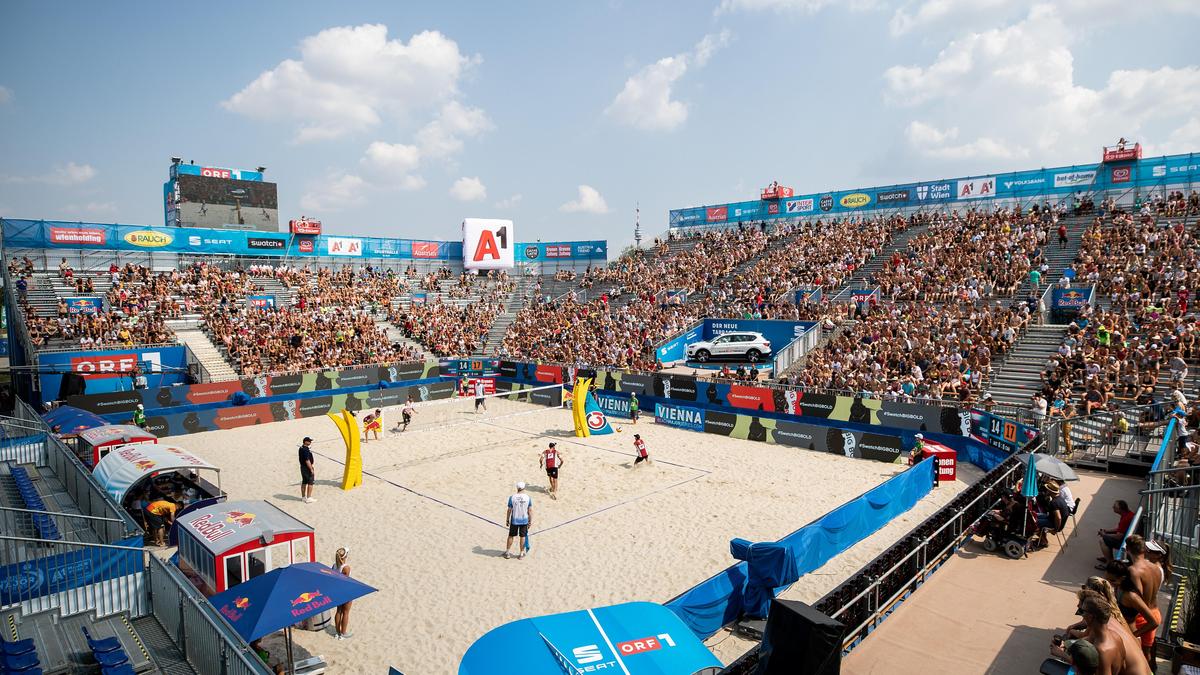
916, 350
965, 258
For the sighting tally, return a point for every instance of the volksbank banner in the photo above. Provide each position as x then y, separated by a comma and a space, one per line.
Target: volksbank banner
64, 235
1060, 181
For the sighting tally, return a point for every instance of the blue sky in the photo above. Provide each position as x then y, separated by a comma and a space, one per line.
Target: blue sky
398, 119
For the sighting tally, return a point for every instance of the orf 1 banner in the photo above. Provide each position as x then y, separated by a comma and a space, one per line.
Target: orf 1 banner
261, 301
488, 244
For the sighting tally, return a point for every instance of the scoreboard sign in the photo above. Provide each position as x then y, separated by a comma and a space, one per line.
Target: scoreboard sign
487, 244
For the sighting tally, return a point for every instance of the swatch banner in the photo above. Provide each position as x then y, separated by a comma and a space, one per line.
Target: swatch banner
232, 417
687, 389
264, 386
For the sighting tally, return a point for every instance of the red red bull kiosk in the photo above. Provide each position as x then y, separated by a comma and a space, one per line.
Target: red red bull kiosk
95, 443
222, 545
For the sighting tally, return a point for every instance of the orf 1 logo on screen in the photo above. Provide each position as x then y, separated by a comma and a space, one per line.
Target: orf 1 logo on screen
488, 244
110, 365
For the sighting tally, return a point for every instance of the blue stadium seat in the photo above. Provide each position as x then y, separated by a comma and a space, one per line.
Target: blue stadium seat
20, 663
101, 645
17, 647
112, 658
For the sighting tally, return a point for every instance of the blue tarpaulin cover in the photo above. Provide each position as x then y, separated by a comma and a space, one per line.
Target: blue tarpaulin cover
73, 420
771, 565
722, 599
636, 638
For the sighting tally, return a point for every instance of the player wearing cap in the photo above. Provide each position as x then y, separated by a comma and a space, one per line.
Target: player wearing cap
480, 391
551, 460
640, 446
518, 517
307, 475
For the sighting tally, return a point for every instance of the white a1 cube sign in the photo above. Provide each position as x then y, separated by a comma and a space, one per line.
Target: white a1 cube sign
487, 244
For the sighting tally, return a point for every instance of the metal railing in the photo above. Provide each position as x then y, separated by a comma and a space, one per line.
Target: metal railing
78, 482
1099, 437
72, 576
207, 642
797, 349
886, 590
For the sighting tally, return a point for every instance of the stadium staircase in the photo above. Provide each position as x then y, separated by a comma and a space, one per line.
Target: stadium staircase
284, 296
1058, 258
59, 645
396, 336
1018, 376
512, 305
210, 356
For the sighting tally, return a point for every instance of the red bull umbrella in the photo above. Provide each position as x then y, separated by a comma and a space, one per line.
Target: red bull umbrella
634, 638
284, 597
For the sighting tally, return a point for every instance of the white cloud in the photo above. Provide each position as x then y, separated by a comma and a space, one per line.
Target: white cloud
924, 15
336, 191
444, 136
783, 6
353, 78
5, 95
510, 202
589, 201
467, 189
1012, 92
392, 165
645, 100
934, 142
92, 208
68, 174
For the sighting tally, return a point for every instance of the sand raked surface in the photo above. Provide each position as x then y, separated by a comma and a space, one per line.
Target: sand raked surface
426, 527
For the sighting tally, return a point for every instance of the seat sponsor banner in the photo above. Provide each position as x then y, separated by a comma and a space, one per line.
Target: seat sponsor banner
419, 297
111, 370
84, 305
1070, 298
855, 200
681, 417
262, 386
934, 192
562, 250
344, 246
795, 206
804, 295
259, 243
894, 197
976, 188
261, 301
205, 241
1074, 179
36, 577
1175, 169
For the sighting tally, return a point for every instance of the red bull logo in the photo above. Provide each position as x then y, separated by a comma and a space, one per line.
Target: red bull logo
144, 464
304, 598
239, 518
309, 602
241, 603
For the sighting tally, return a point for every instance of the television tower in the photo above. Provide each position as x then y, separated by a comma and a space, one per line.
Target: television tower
637, 225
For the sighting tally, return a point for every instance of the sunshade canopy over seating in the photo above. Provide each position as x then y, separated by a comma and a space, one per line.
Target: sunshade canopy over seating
127, 465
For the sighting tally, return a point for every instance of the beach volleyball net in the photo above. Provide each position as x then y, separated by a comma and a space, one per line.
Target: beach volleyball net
510, 399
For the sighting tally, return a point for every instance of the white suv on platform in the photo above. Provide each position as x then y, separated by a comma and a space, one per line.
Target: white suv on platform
751, 346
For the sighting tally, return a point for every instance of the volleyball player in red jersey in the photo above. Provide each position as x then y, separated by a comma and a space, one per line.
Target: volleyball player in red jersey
551, 460
640, 445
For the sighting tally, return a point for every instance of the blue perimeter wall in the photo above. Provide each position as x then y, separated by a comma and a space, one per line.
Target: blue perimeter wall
718, 601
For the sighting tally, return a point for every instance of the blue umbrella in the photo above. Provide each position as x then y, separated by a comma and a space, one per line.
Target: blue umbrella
1029, 486
284, 597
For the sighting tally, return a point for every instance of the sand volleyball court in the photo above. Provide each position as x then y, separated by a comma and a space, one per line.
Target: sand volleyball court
426, 527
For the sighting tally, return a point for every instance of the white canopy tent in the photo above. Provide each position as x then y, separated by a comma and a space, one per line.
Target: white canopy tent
128, 465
